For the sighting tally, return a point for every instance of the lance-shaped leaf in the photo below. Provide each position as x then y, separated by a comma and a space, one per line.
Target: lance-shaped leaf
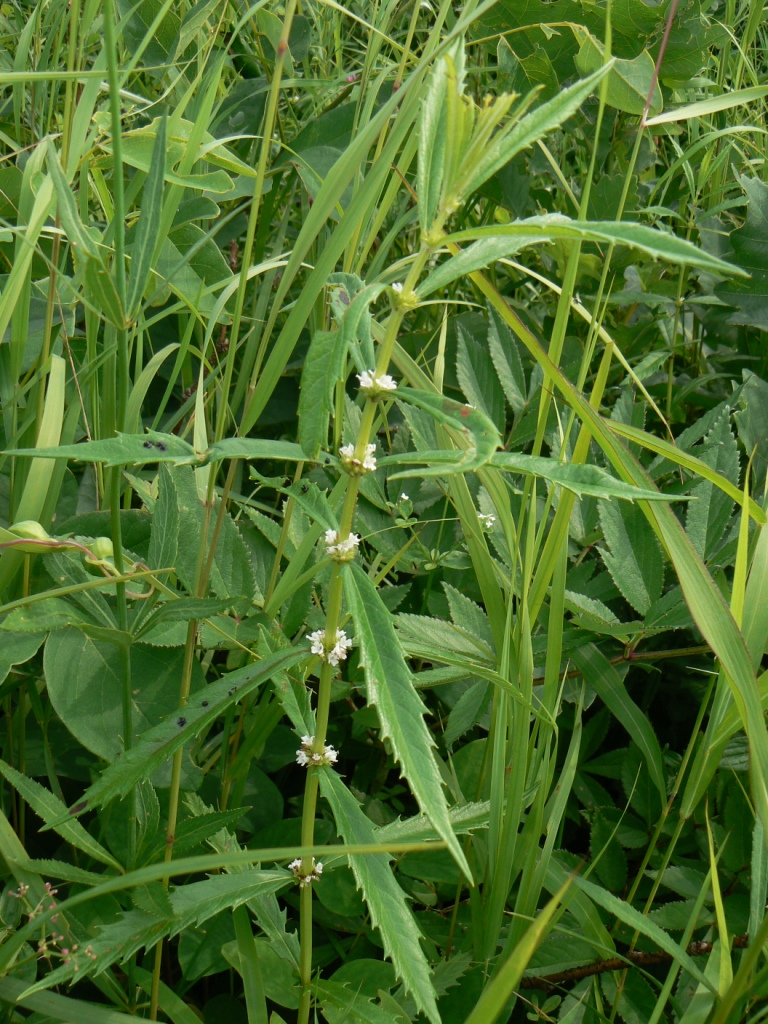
494, 243
48, 807
146, 240
401, 710
581, 479
323, 368
479, 430
122, 450
255, 448
157, 745
386, 900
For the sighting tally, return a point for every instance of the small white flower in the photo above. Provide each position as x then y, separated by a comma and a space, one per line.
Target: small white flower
352, 464
404, 497
307, 757
375, 386
341, 550
486, 519
312, 876
339, 650
397, 287
317, 639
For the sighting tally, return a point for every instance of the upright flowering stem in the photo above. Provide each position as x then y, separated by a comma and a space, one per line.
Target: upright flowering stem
357, 461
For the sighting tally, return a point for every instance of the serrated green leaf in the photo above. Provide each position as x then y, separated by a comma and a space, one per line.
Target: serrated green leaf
323, 369
506, 358
255, 448
401, 710
634, 557
386, 900
707, 516
157, 745
48, 807
477, 378
122, 450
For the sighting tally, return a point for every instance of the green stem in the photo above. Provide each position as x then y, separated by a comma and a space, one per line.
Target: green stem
332, 618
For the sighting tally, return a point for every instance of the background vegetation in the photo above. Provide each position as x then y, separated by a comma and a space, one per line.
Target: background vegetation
383, 574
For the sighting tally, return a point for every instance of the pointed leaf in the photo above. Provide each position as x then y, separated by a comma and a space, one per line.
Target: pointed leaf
401, 710
386, 901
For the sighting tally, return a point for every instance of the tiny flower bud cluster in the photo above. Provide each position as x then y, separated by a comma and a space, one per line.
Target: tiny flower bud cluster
307, 757
486, 519
352, 464
308, 879
336, 653
341, 550
375, 386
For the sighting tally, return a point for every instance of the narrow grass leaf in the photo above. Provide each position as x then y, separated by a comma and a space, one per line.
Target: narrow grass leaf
146, 241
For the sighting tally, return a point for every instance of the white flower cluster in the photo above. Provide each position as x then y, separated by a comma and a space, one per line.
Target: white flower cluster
339, 650
375, 386
307, 757
486, 519
352, 464
341, 550
308, 879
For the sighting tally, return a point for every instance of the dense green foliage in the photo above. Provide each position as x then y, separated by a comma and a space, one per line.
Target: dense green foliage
383, 562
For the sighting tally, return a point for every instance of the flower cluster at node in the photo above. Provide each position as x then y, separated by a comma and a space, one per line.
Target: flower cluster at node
306, 879
375, 386
336, 653
341, 550
307, 757
352, 464
486, 520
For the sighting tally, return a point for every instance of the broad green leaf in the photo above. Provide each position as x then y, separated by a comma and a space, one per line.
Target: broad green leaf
386, 901
401, 710
145, 241
634, 557
609, 686
157, 745
323, 370
48, 807
749, 250
17, 648
629, 81
480, 432
84, 682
